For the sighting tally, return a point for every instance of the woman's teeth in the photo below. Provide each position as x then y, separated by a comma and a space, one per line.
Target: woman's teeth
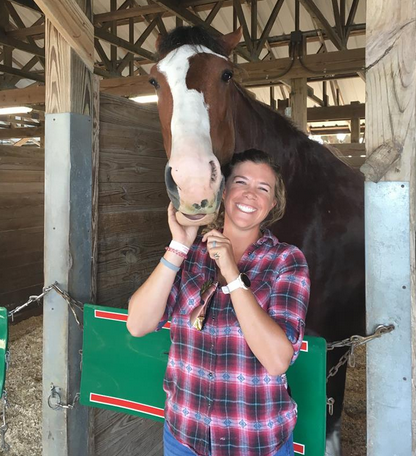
244, 208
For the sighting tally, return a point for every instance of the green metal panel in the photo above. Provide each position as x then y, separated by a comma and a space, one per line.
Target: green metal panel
125, 374
4, 340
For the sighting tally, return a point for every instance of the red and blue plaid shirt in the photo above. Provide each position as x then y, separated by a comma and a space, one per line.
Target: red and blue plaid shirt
221, 401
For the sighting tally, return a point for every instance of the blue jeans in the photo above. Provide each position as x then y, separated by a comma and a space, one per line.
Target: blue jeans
174, 448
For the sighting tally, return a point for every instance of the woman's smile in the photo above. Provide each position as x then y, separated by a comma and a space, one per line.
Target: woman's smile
246, 209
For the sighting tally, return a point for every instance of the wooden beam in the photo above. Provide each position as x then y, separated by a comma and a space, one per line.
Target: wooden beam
21, 73
317, 15
124, 44
337, 18
27, 4
17, 44
72, 23
192, 19
268, 72
266, 32
350, 20
212, 14
242, 20
29, 132
37, 31
298, 103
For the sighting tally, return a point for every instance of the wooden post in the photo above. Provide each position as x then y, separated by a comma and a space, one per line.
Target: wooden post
355, 126
298, 102
390, 226
69, 224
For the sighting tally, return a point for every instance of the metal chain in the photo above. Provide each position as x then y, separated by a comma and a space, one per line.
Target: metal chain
72, 303
56, 397
353, 342
4, 446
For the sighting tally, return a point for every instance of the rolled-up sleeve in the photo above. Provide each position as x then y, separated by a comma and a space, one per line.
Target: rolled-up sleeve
290, 297
172, 298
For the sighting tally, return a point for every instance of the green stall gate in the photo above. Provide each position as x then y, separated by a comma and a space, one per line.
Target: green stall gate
125, 374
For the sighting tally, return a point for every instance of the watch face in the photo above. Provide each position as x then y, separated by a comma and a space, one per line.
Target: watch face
245, 280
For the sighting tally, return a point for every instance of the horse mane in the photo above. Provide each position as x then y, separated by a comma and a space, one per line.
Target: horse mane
194, 36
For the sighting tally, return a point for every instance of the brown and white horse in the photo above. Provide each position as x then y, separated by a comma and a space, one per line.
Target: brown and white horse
206, 117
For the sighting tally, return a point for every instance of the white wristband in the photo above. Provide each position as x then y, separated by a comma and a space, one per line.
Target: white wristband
178, 246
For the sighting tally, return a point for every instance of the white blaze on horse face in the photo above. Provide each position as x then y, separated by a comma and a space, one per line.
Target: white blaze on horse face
191, 157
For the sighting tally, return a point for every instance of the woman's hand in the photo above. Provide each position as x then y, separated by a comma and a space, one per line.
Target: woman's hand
220, 249
184, 234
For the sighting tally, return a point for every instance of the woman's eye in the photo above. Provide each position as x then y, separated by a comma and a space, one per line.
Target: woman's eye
154, 83
264, 189
227, 75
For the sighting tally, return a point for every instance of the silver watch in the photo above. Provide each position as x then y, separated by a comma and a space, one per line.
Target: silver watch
242, 281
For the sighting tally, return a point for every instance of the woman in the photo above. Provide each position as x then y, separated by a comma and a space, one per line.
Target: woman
237, 300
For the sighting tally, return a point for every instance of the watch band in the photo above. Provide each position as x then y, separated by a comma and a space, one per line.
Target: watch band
234, 285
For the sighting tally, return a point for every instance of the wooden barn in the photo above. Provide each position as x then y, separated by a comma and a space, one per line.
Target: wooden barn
83, 198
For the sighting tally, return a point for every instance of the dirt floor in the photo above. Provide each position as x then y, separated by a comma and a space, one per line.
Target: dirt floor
24, 389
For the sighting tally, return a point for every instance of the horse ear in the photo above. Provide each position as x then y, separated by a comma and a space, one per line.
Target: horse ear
158, 41
231, 40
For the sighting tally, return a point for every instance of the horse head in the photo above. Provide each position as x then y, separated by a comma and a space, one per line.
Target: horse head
192, 80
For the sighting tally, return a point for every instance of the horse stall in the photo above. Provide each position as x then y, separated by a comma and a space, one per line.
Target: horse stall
132, 234
21, 224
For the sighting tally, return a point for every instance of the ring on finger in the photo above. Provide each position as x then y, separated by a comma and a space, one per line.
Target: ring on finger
216, 256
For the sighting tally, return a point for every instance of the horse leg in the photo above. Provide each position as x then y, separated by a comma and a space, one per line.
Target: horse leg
335, 389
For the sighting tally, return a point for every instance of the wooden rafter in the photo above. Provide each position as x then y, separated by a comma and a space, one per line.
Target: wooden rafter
266, 32
320, 19
27, 4
102, 54
7, 40
191, 18
242, 21
350, 20
120, 42
20, 25
212, 14
337, 16
21, 73
130, 56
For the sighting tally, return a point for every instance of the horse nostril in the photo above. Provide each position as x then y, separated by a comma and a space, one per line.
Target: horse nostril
204, 203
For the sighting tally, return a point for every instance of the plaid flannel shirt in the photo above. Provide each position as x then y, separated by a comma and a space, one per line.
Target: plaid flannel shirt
221, 401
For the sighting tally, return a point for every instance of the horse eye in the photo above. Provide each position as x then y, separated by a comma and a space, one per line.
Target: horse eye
154, 83
226, 76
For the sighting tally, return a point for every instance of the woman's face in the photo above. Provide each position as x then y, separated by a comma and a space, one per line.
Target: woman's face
249, 194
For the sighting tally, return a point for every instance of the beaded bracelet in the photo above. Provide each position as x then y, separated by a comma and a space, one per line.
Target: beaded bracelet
178, 246
177, 252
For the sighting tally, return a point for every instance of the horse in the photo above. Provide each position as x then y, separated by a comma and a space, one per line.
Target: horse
206, 117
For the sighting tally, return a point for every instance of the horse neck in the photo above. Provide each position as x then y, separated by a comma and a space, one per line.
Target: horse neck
258, 126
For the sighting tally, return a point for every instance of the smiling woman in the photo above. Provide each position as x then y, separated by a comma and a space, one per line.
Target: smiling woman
237, 300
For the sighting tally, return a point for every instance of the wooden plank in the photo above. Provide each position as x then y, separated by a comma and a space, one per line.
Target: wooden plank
23, 74
119, 197
22, 258
355, 150
328, 113
21, 175
22, 97
129, 86
331, 63
29, 132
15, 278
118, 223
74, 26
130, 166
120, 434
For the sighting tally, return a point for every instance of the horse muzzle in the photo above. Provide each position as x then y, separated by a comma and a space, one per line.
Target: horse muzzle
191, 213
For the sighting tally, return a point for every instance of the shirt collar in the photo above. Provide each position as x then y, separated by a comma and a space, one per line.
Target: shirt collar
267, 237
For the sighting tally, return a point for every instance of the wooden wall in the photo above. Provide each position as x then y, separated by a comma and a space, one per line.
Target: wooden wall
21, 223
132, 234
